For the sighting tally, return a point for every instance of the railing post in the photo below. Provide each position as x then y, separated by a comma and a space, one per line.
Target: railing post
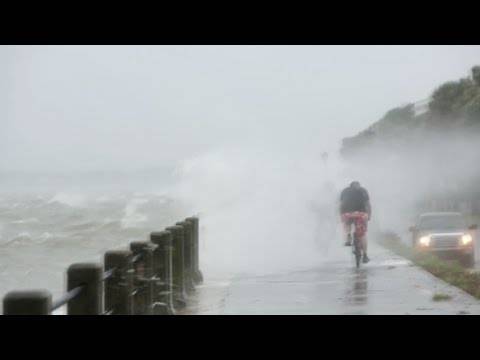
187, 255
119, 287
162, 254
90, 300
28, 302
197, 274
143, 281
178, 267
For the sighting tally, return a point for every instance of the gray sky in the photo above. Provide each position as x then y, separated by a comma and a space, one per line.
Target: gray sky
110, 107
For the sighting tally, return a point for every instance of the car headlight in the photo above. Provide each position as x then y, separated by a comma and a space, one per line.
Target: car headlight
424, 240
466, 239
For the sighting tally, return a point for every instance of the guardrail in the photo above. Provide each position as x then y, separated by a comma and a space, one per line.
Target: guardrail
154, 277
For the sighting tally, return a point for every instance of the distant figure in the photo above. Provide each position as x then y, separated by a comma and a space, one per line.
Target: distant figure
355, 208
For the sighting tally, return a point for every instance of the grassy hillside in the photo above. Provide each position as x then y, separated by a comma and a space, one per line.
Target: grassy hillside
453, 105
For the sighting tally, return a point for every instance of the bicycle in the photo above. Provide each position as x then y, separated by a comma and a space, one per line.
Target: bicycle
359, 220
357, 250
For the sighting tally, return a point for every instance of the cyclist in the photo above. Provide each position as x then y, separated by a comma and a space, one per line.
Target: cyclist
355, 209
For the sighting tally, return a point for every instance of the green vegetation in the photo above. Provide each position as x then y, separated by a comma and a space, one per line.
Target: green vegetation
396, 119
392, 128
476, 74
441, 297
453, 104
449, 271
457, 101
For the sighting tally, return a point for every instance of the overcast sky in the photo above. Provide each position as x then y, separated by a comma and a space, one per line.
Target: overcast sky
109, 107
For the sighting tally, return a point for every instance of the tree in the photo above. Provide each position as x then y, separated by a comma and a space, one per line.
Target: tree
449, 97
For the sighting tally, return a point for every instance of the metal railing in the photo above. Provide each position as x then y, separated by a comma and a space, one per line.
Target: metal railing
154, 277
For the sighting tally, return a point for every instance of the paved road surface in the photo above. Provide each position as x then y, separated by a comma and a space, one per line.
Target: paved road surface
387, 285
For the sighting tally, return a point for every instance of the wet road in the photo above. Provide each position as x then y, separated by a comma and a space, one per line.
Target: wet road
389, 284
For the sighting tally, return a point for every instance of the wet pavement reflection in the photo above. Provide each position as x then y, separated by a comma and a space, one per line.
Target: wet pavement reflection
357, 290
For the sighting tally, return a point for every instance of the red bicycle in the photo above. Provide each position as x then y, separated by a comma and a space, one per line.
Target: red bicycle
360, 220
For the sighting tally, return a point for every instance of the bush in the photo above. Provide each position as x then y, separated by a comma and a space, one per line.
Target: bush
447, 97
441, 297
457, 100
400, 113
476, 75
472, 109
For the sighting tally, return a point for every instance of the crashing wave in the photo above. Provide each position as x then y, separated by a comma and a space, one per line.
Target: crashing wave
132, 217
25, 221
22, 238
73, 200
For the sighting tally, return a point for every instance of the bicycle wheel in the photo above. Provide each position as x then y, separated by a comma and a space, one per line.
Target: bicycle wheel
358, 253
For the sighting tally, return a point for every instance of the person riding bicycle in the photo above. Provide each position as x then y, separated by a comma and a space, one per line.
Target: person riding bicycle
355, 208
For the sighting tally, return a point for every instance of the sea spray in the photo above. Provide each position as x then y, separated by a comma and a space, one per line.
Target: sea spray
262, 209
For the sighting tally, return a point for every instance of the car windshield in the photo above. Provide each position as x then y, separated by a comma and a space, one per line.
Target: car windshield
442, 222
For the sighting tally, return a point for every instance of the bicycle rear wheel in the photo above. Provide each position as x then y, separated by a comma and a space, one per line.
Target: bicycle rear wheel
358, 253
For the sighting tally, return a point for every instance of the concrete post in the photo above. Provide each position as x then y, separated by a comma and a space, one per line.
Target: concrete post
188, 255
163, 295
143, 281
119, 287
178, 267
90, 300
29, 302
197, 274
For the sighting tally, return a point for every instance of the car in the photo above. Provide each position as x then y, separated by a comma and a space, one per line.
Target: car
445, 234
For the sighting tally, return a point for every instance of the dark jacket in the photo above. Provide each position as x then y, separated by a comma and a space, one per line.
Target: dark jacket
352, 199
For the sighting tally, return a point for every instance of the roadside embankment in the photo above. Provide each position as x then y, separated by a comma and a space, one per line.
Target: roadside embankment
449, 271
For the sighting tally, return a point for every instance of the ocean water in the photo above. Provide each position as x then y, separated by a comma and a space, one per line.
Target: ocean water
41, 234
